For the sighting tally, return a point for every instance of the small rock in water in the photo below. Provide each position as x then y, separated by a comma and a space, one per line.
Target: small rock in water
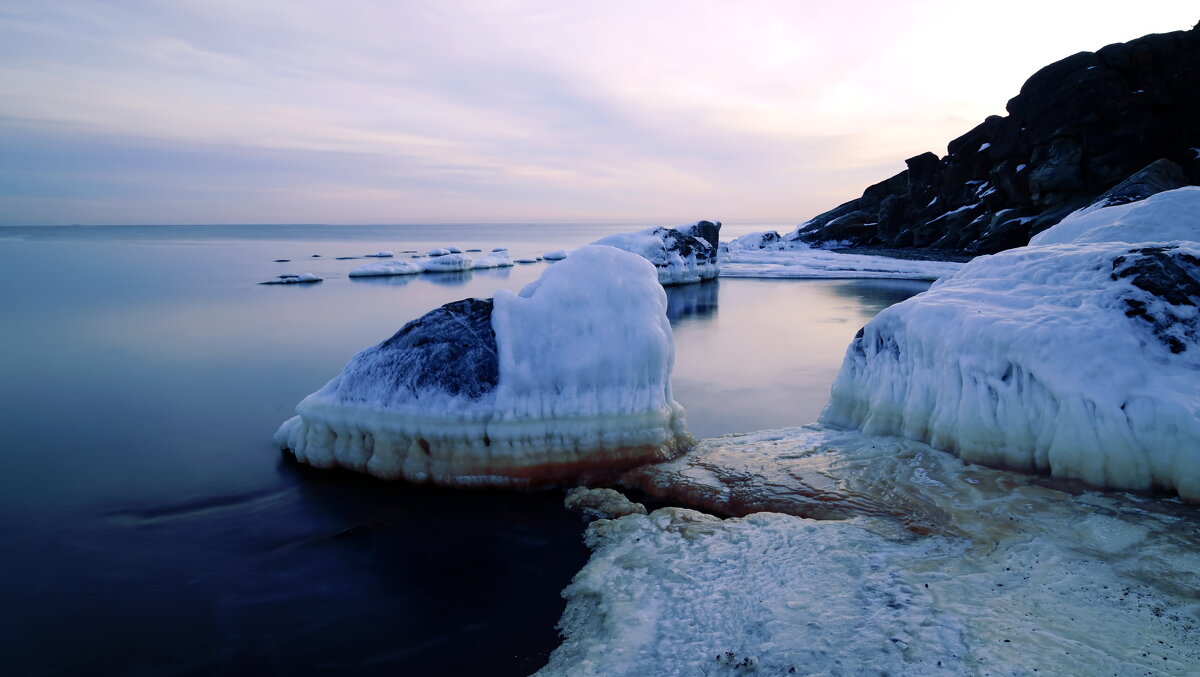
302, 278
556, 255
282, 260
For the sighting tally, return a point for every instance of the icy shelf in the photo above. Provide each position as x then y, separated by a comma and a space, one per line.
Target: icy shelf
680, 255
570, 377
386, 268
1077, 360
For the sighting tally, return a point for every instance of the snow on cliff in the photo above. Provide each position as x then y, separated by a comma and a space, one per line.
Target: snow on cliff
569, 376
1170, 216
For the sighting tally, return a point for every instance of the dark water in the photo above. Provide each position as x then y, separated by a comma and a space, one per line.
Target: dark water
150, 527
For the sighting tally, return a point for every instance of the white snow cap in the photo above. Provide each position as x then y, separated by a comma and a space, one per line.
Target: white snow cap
446, 263
1170, 216
496, 259
577, 378
1077, 360
556, 255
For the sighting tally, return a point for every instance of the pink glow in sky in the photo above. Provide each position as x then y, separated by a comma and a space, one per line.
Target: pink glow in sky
217, 111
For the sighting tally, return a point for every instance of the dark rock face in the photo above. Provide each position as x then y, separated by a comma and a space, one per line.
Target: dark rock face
709, 231
451, 349
1171, 281
1077, 128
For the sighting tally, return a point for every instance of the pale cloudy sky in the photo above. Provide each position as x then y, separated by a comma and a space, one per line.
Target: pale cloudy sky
227, 111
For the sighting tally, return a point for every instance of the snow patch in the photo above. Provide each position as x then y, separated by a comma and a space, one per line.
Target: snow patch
1169, 216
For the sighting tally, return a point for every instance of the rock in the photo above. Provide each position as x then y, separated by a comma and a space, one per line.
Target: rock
1077, 129
596, 504
681, 255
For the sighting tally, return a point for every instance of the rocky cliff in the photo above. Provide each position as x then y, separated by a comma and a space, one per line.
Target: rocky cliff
1120, 123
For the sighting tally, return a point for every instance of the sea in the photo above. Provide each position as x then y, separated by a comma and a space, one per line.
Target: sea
149, 526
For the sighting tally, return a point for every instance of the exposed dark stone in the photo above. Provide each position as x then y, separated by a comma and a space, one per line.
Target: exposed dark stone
709, 231
451, 349
1077, 128
1170, 278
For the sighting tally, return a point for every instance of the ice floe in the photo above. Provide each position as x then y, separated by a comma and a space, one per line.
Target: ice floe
386, 268
569, 377
301, 278
680, 255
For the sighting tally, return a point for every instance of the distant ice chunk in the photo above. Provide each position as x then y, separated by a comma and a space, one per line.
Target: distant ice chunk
386, 268
301, 278
381, 254
681, 255
753, 241
556, 255
446, 263
496, 259
444, 251
1170, 216
570, 377
1077, 360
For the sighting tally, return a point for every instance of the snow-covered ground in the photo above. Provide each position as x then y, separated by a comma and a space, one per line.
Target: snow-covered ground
570, 376
920, 564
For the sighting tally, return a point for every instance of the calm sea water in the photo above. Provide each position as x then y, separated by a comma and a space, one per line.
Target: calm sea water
149, 526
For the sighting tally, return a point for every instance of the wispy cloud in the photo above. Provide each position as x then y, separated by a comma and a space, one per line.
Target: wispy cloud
507, 110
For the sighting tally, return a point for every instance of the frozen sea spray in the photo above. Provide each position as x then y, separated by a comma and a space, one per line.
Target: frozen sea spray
567, 378
1080, 360
680, 255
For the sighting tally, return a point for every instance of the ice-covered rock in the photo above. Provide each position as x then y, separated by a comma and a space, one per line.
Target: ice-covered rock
446, 263
499, 249
386, 268
1077, 360
570, 377
556, 255
681, 255
496, 259
301, 278
596, 504
527, 259
1170, 216
443, 251
753, 241
381, 254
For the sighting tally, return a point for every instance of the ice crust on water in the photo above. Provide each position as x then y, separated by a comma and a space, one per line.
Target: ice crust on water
921, 564
1079, 360
801, 262
1170, 216
568, 377
680, 255
386, 268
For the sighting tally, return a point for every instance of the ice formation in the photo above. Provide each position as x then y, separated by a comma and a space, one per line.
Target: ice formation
302, 278
1170, 216
1079, 360
496, 259
446, 263
569, 377
921, 564
386, 268
802, 262
601, 503
381, 254
556, 255
681, 255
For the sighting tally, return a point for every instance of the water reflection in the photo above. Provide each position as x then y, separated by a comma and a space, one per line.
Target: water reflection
449, 279
384, 280
697, 300
495, 273
875, 295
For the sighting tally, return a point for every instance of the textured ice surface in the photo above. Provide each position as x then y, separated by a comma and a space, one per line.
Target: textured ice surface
569, 377
680, 255
1077, 360
1170, 216
802, 262
386, 268
301, 278
446, 263
496, 259
922, 564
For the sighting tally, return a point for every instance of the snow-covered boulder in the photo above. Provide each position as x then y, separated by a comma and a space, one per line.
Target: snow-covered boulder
681, 255
496, 259
556, 255
1171, 216
446, 263
381, 254
1078, 360
444, 251
386, 268
753, 241
572, 376
301, 278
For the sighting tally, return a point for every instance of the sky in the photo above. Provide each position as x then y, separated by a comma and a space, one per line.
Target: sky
226, 111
